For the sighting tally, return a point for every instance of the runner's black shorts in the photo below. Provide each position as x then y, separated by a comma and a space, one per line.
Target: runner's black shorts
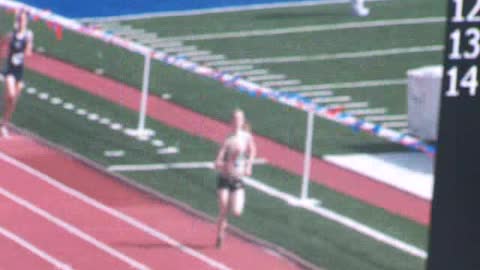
16, 72
229, 182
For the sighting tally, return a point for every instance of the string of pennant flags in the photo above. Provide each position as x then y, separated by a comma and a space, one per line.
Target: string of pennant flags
58, 23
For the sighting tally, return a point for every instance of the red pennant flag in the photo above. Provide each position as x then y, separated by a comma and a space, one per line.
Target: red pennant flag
334, 111
59, 32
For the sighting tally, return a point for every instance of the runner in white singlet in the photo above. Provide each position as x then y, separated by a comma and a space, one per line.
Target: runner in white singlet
234, 161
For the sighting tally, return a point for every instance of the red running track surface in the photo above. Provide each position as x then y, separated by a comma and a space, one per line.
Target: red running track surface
132, 242
350, 183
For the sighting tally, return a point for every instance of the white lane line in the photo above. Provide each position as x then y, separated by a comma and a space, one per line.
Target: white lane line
144, 36
167, 166
160, 166
105, 121
130, 33
338, 218
108, 25
93, 117
382, 118
113, 212
367, 111
73, 230
316, 93
395, 124
43, 96
140, 35
125, 29
332, 99
157, 44
180, 49
331, 56
309, 28
281, 83
31, 90
195, 53
56, 101
81, 112
117, 28
348, 85
251, 72
116, 126
170, 150
166, 96
68, 106
163, 14
35, 250
127, 32
151, 38
237, 68
267, 77
158, 143
207, 57
353, 105
114, 153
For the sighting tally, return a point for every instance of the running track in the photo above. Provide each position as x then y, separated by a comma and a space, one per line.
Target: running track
83, 218
332, 176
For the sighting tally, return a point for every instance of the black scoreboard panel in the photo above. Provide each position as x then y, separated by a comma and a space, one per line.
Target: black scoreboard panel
455, 225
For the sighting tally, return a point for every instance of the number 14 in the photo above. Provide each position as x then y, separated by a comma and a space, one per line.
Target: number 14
469, 81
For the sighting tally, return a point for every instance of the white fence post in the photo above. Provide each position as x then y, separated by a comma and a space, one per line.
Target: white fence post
144, 99
141, 131
308, 155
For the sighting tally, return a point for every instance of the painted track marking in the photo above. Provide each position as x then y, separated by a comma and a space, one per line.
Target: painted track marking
167, 166
113, 212
396, 124
323, 93
332, 99
368, 111
72, 229
331, 56
348, 85
35, 250
331, 215
281, 83
395, 117
308, 28
352, 105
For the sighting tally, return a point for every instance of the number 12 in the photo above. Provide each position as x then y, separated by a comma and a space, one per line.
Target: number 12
472, 16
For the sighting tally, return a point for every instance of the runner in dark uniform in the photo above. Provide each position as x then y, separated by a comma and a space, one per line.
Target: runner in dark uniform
20, 45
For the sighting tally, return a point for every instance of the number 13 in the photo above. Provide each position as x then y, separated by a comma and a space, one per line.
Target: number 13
473, 35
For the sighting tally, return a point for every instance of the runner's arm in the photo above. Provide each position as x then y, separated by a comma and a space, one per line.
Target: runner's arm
29, 49
252, 153
220, 156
